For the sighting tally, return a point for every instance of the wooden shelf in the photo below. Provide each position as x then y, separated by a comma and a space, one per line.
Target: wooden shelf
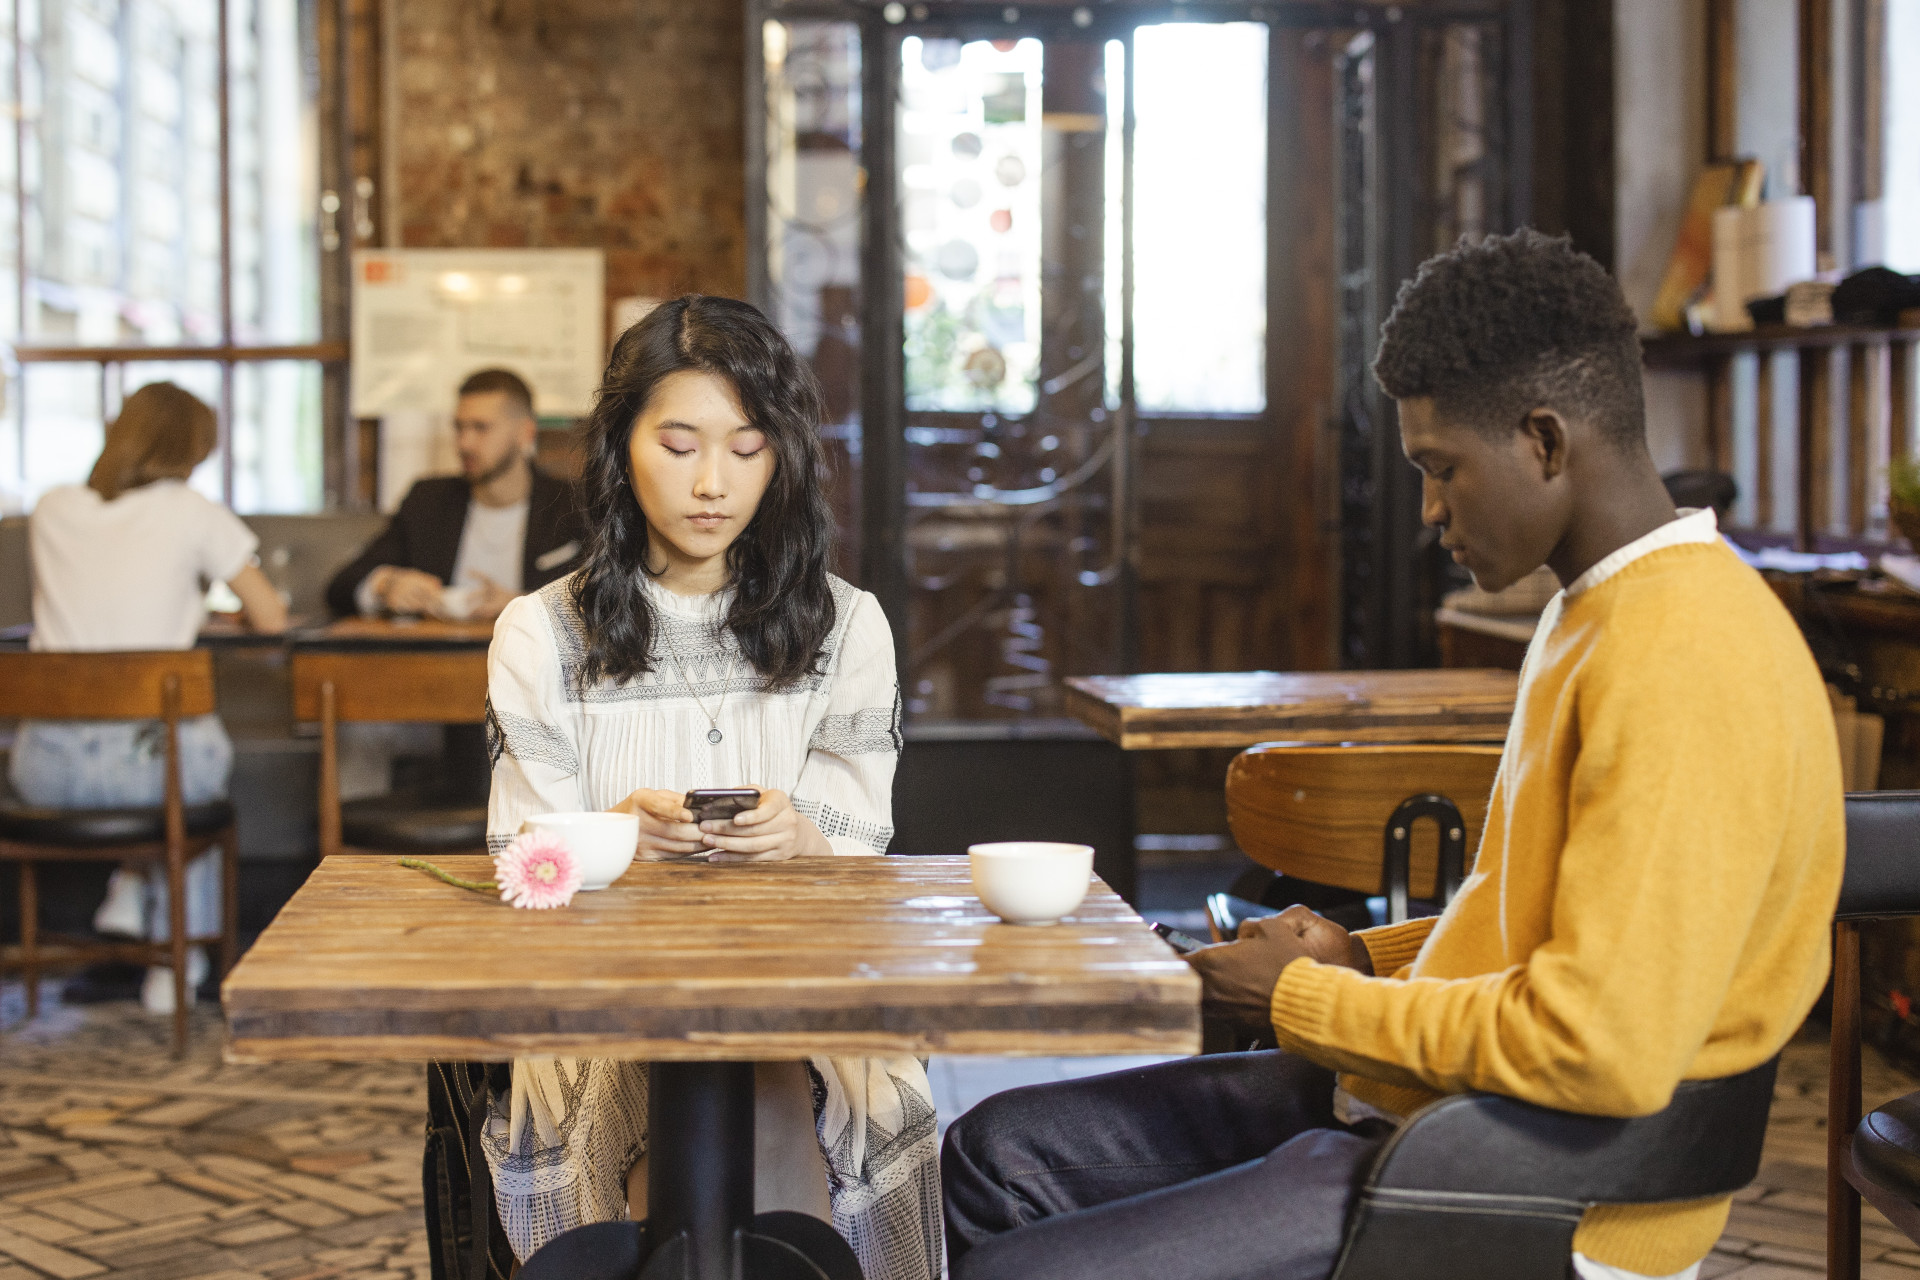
1685, 350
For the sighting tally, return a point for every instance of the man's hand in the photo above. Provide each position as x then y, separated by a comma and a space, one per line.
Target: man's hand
773, 831
1237, 978
490, 600
667, 830
407, 590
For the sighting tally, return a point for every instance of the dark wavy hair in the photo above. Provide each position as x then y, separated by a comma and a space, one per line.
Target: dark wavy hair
1505, 325
782, 610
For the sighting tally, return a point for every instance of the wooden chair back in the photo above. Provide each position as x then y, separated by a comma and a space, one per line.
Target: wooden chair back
377, 685
1317, 812
106, 686
164, 685
413, 686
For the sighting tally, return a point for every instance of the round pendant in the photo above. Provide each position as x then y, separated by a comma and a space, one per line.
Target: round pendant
714, 736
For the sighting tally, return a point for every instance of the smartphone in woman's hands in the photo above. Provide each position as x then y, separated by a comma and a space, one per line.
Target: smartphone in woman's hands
721, 804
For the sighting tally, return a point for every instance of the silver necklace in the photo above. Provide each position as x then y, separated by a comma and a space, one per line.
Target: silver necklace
726, 685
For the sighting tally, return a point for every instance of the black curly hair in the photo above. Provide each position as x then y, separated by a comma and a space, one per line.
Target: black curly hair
782, 611
1508, 324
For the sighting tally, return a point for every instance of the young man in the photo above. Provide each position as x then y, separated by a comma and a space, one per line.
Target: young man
1652, 894
498, 529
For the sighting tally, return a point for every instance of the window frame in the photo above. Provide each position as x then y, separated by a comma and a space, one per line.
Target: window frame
330, 351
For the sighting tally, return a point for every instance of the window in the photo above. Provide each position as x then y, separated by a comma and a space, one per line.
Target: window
1902, 195
150, 230
1200, 219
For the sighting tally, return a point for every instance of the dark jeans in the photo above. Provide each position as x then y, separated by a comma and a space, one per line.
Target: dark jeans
1224, 1167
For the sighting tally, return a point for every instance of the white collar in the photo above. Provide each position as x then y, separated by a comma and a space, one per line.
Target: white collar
1691, 525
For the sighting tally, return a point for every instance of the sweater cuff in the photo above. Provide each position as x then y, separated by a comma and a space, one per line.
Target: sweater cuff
1393, 947
1303, 1001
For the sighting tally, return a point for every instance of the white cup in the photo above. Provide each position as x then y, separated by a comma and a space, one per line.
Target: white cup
601, 843
458, 602
1030, 881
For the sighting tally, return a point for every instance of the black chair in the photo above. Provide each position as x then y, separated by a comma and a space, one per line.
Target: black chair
1476, 1185
1878, 1156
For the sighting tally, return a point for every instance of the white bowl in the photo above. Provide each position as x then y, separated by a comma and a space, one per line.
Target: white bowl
602, 843
1030, 881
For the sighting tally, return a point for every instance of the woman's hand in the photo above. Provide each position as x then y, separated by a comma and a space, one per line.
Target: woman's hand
772, 832
666, 825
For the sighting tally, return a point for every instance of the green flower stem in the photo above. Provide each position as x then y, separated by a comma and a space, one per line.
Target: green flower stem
478, 886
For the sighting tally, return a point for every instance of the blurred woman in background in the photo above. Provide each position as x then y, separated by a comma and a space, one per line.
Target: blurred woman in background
123, 562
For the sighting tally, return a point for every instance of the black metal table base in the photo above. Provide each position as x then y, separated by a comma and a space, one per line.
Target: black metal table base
700, 1219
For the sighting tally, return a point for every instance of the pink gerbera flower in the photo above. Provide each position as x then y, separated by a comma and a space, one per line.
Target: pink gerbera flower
537, 870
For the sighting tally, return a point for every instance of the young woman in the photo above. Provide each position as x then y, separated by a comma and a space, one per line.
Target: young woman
704, 644
123, 562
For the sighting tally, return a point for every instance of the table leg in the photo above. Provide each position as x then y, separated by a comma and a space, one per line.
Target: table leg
700, 1218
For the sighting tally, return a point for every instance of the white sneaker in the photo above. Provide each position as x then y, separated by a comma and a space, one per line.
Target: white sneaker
156, 990
124, 910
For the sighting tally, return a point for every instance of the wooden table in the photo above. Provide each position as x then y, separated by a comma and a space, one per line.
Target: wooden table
700, 970
1240, 708
394, 633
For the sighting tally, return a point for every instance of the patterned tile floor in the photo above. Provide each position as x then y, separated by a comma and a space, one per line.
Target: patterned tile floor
116, 1161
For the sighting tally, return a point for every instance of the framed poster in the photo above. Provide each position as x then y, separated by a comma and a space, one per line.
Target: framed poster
424, 319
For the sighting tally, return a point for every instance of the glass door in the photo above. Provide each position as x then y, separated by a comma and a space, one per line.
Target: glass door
1093, 294
1010, 181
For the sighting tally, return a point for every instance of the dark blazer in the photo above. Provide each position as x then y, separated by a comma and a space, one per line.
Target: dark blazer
425, 532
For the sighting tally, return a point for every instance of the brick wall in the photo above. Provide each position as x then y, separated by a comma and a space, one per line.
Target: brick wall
611, 124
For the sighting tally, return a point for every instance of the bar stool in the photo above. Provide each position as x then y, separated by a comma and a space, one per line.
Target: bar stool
166, 687
1343, 818
417, 687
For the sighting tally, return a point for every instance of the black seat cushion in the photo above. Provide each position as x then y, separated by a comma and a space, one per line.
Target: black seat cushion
99, 828
1886, 1146
411, 822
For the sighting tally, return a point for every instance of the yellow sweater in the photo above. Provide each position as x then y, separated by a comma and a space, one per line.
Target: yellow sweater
1653, 893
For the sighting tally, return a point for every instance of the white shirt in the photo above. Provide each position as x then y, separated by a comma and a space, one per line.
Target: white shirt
492, 543
131, 573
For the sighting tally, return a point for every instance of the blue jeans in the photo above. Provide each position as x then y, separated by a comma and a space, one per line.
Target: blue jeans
117, 764
121, 764
1225, 1167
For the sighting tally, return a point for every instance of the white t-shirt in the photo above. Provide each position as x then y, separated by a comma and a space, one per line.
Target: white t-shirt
492, 543
131, 573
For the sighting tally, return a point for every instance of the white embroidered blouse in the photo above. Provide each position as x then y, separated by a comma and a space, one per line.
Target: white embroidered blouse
829, 741
560, 1147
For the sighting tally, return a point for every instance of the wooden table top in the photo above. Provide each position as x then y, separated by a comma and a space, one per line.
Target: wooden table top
683, 961
395, 633
1240, 708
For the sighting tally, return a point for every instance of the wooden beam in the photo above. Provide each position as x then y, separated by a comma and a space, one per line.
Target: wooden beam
1816, 114
325, 352
1723, 79
1870, 93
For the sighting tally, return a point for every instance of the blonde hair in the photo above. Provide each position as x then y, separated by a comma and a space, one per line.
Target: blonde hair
162, 433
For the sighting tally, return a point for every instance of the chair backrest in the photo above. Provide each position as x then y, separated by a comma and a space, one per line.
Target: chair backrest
418, 686
430, 686
105, 686
1883, 856
1476, 1185
1317, 812
1882, 880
